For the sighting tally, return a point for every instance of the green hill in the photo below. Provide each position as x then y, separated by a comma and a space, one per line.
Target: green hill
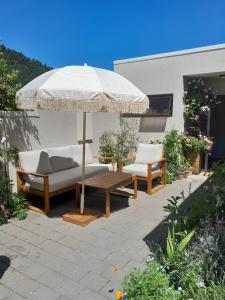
28, 68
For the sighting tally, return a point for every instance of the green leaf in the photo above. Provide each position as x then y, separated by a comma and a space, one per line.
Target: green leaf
183, 243
170, 249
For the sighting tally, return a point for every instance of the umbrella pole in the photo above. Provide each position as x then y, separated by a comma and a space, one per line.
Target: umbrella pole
83, 163
80, 216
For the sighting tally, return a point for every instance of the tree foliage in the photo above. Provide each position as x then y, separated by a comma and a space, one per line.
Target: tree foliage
8, 87
28, 69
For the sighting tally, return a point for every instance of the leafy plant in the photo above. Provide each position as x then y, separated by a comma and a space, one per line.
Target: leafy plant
5, 194
175, 248
198, 100
119, 144
172, 206
174, 153
8, 87
152, 283
18, 206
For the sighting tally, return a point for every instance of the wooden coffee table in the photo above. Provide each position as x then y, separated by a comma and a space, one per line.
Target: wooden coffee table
108, 182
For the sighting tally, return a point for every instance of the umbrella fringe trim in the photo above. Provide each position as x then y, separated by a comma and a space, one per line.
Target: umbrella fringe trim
85, 106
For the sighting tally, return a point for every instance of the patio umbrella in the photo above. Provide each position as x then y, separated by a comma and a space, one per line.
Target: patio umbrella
84, 89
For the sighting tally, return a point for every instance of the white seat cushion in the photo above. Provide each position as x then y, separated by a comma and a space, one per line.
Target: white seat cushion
147, 153
65, 178
109, 166
140, 169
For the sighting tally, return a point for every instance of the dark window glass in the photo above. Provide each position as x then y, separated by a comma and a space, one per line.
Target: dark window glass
160, 105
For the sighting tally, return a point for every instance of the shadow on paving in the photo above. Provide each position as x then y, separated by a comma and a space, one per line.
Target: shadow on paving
159, 234
94, 199
4, 265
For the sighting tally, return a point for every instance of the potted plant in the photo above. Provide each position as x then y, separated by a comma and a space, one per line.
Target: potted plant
188, 169
121, 143
194, 147
180, 173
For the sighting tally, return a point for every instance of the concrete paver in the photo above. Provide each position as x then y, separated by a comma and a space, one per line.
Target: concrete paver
45, 258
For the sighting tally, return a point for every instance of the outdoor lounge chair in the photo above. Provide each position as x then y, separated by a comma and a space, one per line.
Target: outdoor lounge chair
149, 164
53, 171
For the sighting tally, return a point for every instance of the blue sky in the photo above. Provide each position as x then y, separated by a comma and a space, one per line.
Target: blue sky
66, 32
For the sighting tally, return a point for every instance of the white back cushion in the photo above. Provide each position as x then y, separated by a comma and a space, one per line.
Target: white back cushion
77, 151
35, 161
147, 153
64, 151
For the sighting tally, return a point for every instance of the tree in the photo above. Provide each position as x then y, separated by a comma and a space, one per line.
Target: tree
8, 87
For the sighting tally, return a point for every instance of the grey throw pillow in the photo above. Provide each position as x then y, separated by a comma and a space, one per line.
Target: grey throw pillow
60, 163
44, 165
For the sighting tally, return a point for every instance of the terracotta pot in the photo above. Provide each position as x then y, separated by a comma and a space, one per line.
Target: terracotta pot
180, 176
186, 173
194, 158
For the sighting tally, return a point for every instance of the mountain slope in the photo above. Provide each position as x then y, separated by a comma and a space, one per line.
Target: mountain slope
28, 68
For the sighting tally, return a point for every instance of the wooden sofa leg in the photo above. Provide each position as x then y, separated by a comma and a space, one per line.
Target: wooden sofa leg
135, 187
149, 186
46, 196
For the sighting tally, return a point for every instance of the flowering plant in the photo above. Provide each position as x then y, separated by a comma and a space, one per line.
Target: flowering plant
198, 100
202, 143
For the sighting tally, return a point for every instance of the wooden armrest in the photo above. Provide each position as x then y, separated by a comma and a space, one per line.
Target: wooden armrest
127, 158
122, 161
104, 157
157, 161
20, 171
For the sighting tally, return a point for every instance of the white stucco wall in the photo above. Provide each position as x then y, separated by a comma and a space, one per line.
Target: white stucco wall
164, 74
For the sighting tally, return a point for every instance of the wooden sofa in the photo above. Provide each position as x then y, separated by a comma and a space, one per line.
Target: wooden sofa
53, 171
149, 164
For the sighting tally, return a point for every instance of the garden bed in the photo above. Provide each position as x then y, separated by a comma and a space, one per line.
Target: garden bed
190, 262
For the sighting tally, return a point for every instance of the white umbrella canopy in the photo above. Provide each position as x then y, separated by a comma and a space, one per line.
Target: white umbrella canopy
83, 89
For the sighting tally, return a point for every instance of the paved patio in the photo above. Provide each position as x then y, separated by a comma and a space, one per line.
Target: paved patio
44, 258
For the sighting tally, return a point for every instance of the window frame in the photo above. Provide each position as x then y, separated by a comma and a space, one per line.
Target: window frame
148, 114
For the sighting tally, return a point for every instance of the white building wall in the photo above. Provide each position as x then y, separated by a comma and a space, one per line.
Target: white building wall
164, 74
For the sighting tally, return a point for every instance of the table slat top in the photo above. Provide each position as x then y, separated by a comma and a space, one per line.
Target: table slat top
107, 180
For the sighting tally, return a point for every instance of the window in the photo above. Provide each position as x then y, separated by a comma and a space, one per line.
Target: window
160, 105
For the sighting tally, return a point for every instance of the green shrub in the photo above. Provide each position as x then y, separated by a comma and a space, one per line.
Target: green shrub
212, 292
121, 143
18, 206
152, 283
5, 196
174, 153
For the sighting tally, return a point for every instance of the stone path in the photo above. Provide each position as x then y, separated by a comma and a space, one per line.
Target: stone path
44, 258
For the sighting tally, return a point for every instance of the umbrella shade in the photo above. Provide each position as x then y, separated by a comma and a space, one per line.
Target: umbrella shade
82, 88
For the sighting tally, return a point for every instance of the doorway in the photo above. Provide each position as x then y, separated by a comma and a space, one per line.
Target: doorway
217, 131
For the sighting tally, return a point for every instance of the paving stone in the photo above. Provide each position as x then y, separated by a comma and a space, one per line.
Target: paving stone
5, 292
90, 295
94, 281
28, 267
15, 297
25, 286
72, 270
10, 277
110, 289
117, 260
43, 293
46, 258
59, 283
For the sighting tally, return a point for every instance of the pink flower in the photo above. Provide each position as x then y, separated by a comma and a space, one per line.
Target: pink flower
197, 118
